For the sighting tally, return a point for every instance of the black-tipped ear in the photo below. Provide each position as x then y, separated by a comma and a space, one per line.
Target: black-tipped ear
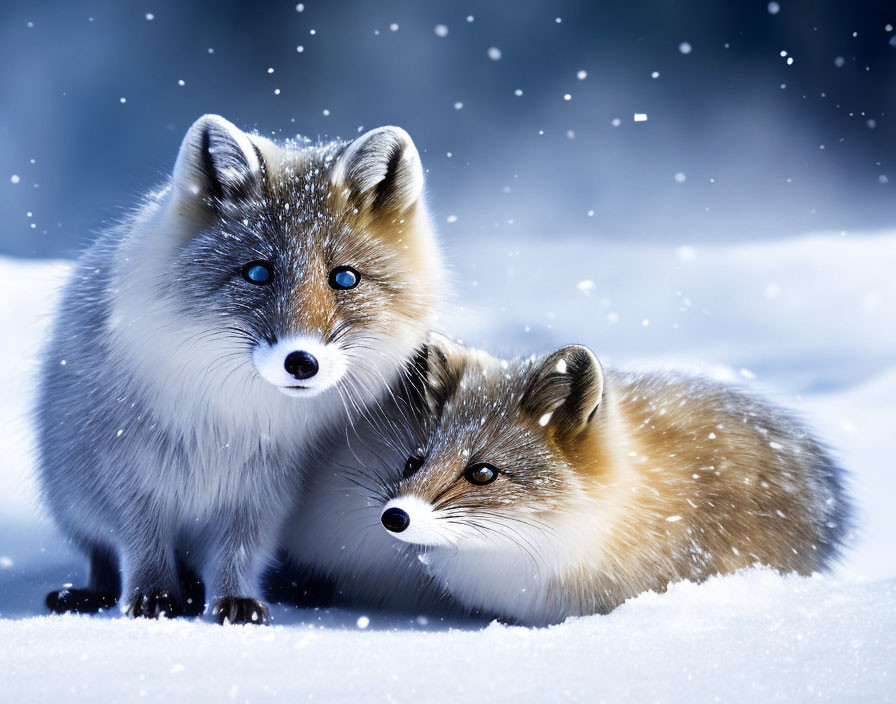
565, 390
435, 373
217, 161
380, 172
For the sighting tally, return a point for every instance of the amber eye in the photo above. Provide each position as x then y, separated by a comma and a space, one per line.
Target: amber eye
411, 466
480, 474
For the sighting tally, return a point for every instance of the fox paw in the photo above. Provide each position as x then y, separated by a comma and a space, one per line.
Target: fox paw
153, 605
237, 609
79, 601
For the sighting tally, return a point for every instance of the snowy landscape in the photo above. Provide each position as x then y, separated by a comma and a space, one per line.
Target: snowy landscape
685, 185
807, 321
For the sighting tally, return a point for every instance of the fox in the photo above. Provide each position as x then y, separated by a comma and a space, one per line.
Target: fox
205, 346
540, 488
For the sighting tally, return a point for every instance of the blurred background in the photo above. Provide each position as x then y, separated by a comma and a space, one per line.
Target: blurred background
679, 121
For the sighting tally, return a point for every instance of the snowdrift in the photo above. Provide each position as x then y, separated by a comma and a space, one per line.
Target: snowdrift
808, 321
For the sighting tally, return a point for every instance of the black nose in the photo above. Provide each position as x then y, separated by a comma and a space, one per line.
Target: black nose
395, 519
302, 365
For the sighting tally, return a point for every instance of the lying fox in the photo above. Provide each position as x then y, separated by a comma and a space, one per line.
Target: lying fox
539, 489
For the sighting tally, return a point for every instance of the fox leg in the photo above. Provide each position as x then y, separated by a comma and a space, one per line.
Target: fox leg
239, 556
151, 570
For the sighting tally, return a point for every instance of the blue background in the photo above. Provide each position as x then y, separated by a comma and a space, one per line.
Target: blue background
760, 160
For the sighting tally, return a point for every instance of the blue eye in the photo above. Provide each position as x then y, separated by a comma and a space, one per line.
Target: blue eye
258, 273
344, 277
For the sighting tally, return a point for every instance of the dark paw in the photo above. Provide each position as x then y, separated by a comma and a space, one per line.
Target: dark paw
240, 610
79, 601
153, 605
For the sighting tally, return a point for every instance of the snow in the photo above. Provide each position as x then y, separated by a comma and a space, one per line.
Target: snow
808, 321
756, 637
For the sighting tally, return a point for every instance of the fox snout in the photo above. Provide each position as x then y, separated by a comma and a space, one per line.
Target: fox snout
413, 520
395, 519
300, 366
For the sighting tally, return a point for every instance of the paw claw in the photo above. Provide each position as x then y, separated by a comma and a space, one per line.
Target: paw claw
240, 610
154, 605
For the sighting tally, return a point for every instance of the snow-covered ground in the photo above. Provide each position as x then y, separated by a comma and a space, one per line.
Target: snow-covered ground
809, 321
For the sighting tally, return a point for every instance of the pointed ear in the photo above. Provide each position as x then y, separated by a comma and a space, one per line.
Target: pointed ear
566, 390
379, 173
435, 372
217, 162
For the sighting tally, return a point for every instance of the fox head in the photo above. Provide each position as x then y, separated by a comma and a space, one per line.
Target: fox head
502, 446
299, 268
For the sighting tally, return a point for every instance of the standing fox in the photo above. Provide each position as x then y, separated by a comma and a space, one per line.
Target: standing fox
203, 347
545, 488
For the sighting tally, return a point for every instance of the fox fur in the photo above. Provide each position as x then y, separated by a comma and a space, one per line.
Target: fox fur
607, 484
172, 440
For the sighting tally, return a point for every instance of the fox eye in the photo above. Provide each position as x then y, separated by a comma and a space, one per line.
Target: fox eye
343, 278
258, 273
480, 474
411, 466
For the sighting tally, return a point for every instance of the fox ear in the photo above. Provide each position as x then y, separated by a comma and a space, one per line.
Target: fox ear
566, 390
217, 161
435, 372
380, 172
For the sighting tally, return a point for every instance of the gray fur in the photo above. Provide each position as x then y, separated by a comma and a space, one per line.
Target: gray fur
335, 531
159, 442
